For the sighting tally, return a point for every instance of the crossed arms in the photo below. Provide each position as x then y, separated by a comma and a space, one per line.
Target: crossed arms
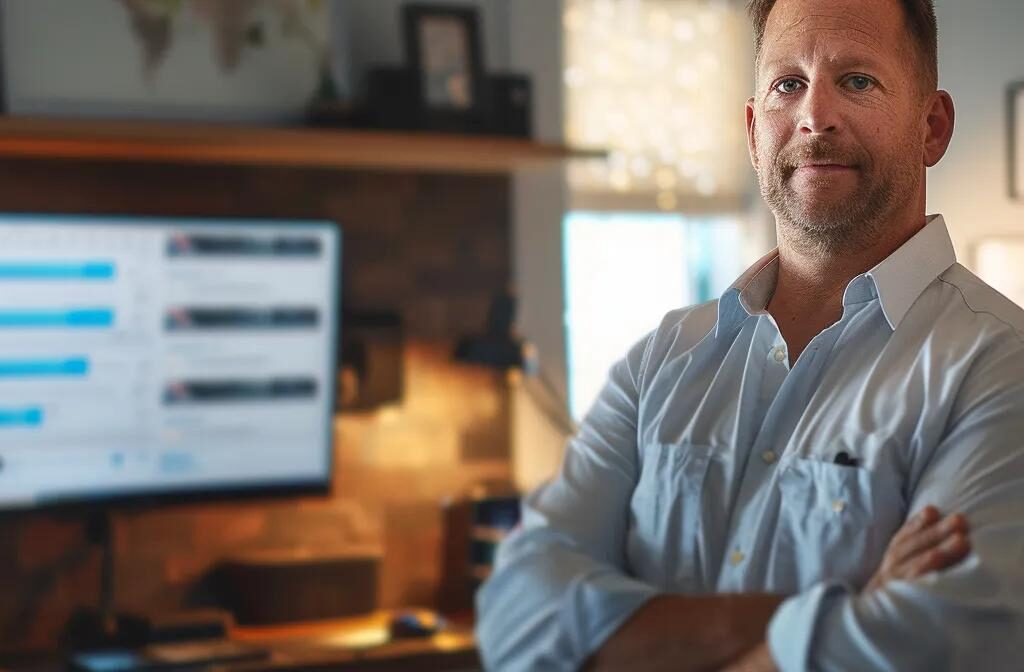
711, 632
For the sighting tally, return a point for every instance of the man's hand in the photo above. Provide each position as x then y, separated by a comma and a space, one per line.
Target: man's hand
926, 543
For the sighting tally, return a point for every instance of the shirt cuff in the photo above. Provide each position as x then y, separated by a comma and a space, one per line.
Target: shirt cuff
599, 604
791, 630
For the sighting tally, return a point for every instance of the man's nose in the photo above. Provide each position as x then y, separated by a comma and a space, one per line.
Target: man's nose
820, 111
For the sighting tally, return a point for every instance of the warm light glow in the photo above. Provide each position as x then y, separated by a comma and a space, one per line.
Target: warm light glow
667, 200
662, 84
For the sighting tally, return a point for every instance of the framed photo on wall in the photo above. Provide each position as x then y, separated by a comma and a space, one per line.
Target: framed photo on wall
1015, 104
442, 46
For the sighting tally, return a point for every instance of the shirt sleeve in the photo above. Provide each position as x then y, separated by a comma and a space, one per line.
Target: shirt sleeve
968, 617
559, 588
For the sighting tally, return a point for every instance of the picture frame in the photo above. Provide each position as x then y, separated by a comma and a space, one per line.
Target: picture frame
1015, 136
444, 54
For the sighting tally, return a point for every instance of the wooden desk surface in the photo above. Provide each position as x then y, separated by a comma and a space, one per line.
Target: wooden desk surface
329, 646
360, 643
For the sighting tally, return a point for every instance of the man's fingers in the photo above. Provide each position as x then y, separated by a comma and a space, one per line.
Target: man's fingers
926, 543
949, 552
924, 539
926, 517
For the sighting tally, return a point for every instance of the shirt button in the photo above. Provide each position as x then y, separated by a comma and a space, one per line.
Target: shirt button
736, 558
780, 355
768, 456
838, 505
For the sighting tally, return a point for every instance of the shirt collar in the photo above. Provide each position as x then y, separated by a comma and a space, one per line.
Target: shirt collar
898, 280
905, 273
750, 294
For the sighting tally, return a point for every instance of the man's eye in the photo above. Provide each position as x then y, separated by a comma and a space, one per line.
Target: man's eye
860, 83
788, 86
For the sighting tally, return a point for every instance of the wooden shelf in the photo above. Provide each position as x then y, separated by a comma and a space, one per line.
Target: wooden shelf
160, 142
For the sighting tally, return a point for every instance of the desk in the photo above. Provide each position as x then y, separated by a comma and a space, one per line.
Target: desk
355, 644
330, 646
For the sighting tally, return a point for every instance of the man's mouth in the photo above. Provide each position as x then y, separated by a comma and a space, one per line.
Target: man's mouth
823, 167
825, 164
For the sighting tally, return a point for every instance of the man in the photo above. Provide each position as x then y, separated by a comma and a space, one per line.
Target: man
733, 498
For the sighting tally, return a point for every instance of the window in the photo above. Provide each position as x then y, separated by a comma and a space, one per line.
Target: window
624, 271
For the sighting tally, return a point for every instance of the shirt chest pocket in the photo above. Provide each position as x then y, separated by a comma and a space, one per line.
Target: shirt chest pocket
665, 514
835, 522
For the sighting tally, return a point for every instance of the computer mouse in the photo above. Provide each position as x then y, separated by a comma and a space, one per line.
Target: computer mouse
413, 624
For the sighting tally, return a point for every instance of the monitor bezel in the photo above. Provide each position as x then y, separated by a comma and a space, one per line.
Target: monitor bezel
75, 504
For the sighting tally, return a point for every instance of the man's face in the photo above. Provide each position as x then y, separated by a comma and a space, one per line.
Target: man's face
835, 126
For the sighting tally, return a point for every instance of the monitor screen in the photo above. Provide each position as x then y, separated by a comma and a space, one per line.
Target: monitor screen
145, 357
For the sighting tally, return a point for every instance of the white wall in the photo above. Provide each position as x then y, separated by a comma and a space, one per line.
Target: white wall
539, 202
981, 50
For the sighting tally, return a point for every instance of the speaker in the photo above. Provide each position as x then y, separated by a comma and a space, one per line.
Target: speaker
509, 105
273, 587
472, 528
392, 100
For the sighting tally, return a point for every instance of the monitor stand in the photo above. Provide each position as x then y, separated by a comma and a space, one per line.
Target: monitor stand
100, 626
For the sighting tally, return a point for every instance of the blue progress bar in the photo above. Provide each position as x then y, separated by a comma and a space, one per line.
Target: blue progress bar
83, 318
21, 417
30, 368
93, 270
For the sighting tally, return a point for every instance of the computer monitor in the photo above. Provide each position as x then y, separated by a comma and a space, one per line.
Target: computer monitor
150, 358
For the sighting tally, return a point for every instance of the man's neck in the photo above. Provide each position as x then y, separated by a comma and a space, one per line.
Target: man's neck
808, 295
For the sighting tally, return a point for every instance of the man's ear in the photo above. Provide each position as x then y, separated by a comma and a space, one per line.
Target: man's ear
751, 138
939, 123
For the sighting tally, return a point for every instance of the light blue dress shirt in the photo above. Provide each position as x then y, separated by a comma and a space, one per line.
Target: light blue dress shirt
708, 465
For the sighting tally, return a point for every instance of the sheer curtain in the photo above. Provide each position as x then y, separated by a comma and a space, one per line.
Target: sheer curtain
664, 222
